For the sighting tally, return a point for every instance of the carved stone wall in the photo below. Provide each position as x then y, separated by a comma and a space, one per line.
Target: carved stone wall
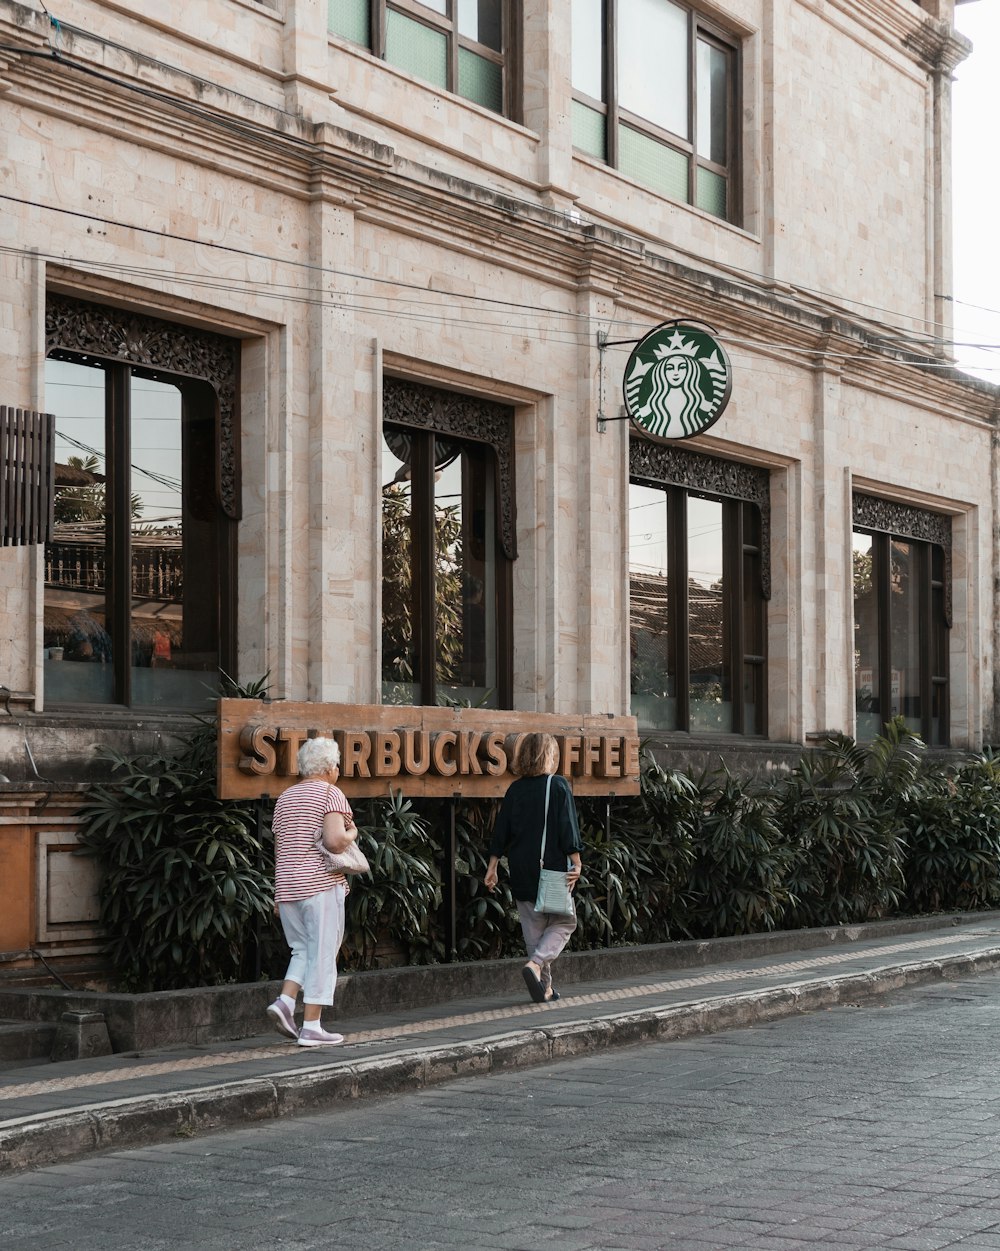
663, 465
407, 403
113, 334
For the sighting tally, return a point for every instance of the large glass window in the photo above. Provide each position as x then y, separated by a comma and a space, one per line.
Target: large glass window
138, 563
900, 636
459, 45
697, 620
445, 581
654, 94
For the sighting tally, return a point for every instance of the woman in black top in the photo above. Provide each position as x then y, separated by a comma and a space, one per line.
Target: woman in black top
518, 836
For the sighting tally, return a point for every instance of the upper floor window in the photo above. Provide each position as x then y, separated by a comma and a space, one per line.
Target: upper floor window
462, 46
654, 95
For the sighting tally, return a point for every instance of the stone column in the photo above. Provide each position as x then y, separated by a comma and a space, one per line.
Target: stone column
827, 586
306, 56
340, 508
596, 543
548, 97
22, 362
952, 50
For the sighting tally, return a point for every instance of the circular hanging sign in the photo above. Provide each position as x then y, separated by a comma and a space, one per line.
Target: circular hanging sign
677, 381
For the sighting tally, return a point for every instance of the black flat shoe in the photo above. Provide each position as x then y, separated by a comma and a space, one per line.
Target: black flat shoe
535, 988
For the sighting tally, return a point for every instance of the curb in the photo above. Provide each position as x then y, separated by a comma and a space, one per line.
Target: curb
141, 1120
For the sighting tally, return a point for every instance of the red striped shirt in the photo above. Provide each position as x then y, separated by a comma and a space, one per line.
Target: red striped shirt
299, 869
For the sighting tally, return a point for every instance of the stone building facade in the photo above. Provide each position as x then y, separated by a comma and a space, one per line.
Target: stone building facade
332, 300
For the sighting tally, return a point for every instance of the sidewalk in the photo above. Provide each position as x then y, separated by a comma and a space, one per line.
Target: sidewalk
59, 1111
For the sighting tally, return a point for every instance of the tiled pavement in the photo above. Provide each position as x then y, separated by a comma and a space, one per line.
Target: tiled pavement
60, 1111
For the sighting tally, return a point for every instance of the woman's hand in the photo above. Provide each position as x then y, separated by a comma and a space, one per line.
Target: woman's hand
573, 874
490, 876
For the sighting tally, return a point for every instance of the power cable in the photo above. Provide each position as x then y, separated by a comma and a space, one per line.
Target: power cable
454, 314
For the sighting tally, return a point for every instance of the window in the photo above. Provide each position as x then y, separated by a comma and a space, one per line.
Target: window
900, 635
462, 46
654, 95
446, 581
139, 572
697, 617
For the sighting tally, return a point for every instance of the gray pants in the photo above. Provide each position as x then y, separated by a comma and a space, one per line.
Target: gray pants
544, 937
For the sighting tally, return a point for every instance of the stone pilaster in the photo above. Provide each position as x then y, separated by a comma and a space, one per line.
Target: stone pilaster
548, 93
827, 584
340, 511
22, 362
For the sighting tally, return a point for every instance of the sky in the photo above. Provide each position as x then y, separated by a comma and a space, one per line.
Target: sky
976, 185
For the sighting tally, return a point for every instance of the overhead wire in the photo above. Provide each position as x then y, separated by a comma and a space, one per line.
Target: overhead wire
360, 303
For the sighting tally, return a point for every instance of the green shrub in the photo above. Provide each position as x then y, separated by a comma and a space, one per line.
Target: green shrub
610, 897
486, 923
953, 836
398, 901
186, 881
737, 883
635, 881
842, 813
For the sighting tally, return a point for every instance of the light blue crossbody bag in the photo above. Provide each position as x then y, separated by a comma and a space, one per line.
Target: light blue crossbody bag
554, 896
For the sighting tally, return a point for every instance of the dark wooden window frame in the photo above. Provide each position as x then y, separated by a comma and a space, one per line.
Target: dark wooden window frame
698, 27
205, 366
470, 419
738, 488
885, 520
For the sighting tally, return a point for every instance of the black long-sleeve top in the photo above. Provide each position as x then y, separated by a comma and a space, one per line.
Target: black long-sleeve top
517, 833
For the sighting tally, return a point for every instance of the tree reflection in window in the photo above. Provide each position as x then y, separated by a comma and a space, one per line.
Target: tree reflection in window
442, 573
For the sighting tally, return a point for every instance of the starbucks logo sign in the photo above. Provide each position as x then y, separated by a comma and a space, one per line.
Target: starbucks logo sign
677, 381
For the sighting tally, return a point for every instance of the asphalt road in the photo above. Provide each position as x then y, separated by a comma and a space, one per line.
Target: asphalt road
854, 1128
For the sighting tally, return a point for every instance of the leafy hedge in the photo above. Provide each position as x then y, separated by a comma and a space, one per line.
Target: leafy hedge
852, 834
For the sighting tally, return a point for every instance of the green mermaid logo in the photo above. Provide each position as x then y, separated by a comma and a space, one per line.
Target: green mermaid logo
677, 381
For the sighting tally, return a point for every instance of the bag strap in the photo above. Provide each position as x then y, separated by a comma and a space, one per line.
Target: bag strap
319, 837
545, 822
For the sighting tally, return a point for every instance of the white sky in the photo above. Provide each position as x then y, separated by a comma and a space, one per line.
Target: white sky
976, 115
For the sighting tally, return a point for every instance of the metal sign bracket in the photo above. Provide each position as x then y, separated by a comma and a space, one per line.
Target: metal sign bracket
603, 343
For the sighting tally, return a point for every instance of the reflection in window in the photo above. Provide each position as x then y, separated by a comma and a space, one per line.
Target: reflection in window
696, 612
133, 571
867, 679
710, 681
442, 593
900, 636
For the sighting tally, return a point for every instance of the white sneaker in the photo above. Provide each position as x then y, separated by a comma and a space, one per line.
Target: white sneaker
316, 1036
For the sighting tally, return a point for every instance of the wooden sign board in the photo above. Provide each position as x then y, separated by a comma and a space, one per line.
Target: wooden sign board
420, 751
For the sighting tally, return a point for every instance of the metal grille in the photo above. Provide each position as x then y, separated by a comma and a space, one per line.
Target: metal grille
27, 453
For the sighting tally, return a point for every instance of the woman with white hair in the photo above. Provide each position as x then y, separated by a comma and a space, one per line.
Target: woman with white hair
308, 897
